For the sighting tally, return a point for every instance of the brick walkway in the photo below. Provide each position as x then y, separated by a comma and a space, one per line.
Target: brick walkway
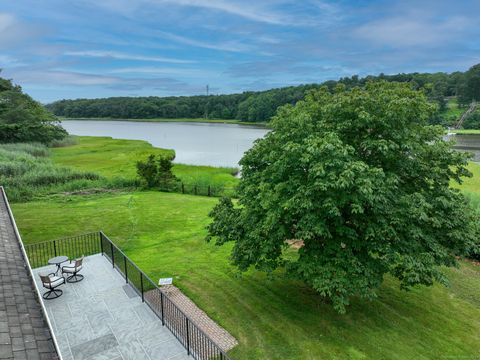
218, 334
24, 333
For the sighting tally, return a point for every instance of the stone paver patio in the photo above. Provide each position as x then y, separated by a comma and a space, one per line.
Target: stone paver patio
102, 317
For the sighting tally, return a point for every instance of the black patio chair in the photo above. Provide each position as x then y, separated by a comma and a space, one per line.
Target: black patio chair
73, 269
51, 282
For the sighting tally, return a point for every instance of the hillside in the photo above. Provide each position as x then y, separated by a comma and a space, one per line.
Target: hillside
257, 106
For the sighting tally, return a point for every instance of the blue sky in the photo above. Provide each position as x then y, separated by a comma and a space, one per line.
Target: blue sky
96, 48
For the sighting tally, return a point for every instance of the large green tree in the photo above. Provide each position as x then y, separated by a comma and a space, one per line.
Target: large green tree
360, 180
22, 119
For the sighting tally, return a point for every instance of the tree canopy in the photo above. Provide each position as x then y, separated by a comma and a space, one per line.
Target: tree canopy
470, 88
359, 179
22, 119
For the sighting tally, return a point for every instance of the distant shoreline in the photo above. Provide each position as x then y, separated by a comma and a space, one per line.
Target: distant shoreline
198, 120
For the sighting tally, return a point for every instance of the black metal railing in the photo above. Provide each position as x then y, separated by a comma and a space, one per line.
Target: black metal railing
73, 247
197, 343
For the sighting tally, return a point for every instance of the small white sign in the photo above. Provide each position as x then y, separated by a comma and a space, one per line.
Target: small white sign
165, 281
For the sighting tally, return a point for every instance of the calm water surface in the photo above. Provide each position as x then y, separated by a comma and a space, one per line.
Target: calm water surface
205, 143
194, 143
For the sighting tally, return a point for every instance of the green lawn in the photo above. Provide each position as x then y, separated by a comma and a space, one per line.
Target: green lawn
116, 158
273, 318
466, 131
453, 112
471, 184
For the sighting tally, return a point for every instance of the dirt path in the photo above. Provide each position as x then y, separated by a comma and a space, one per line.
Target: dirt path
470, 110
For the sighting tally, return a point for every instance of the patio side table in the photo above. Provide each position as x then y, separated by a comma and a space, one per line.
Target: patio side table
57, 261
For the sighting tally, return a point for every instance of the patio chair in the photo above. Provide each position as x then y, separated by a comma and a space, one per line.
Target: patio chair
73, 269
51, 282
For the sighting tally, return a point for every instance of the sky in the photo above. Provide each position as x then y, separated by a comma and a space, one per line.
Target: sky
58, 49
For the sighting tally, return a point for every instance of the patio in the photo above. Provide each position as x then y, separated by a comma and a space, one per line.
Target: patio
102, 317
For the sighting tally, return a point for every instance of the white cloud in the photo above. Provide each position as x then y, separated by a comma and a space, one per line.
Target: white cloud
6, 60
244, 9
153, 70
271, 12
232, 46
56, 77
65, 78
14, 33
124, 56
404, 31
6, 21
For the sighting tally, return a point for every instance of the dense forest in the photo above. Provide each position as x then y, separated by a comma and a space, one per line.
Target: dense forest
261, 106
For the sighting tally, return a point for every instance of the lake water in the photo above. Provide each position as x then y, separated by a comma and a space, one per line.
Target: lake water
204, 143
194, 143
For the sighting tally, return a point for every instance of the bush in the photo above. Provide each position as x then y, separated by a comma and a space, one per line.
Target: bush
157, 173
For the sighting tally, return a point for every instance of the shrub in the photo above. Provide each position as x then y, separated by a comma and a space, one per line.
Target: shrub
157, 173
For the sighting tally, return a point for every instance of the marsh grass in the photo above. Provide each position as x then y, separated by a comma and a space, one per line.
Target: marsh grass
116, 159
18, 149
84, 164
66, 141
27, 172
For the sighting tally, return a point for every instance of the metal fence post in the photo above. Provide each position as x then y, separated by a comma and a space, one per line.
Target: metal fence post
141, 285
161, 307
113, 256
195, 189
125, 266
101, 243
188, 337
209, 192
55, 247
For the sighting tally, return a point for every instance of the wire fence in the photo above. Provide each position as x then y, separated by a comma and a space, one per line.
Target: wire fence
197, 343
202, 190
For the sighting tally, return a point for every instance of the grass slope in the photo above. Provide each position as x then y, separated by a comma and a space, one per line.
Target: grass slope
453, 112
273, 318
116, 158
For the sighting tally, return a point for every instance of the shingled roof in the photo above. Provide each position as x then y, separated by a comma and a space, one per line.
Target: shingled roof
24, 331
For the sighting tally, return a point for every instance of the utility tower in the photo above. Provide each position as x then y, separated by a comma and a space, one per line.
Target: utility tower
206, 104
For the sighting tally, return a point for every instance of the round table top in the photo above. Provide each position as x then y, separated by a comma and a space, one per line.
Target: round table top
58, 260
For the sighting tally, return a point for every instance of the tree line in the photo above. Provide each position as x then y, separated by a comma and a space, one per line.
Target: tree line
260, 106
